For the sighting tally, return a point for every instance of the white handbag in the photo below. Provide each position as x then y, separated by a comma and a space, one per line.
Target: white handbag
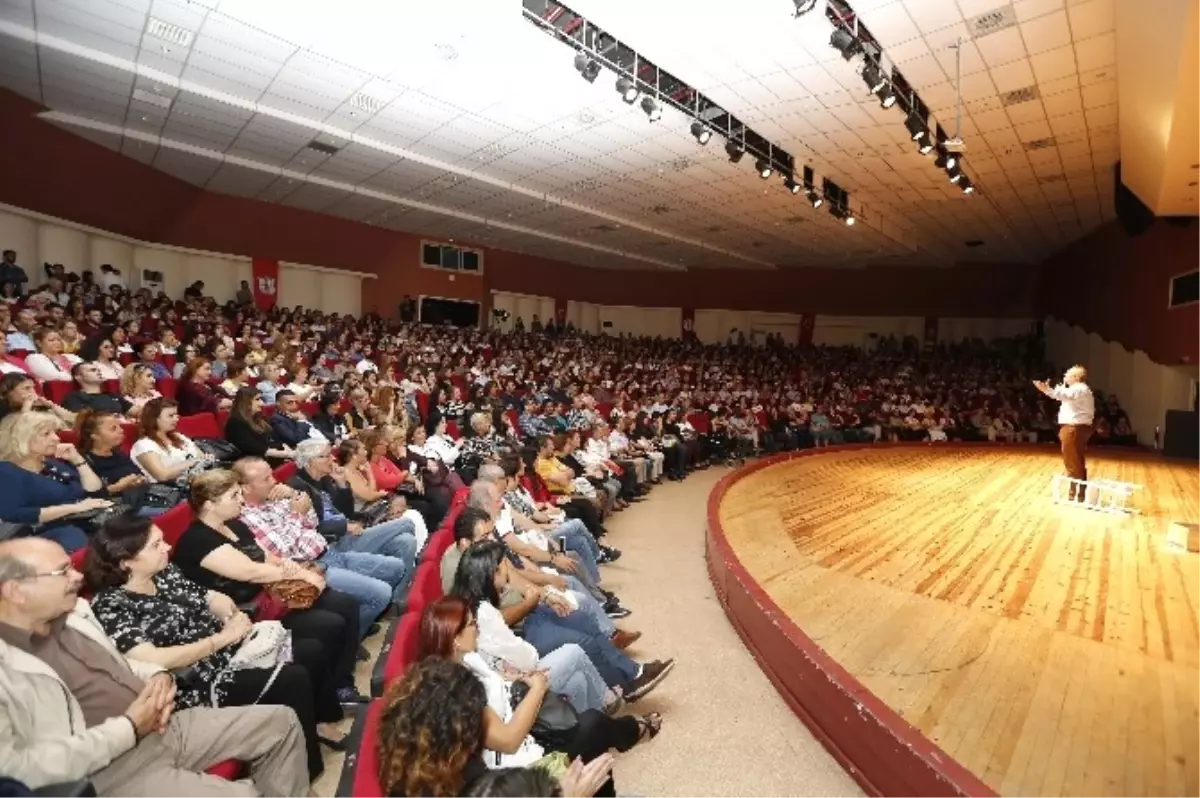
268, 645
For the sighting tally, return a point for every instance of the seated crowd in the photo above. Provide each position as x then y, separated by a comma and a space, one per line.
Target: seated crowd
315, 455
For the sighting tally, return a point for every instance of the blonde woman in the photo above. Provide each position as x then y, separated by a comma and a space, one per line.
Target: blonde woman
137, 384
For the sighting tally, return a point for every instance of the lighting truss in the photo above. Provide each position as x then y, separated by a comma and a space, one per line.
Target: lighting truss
895, 91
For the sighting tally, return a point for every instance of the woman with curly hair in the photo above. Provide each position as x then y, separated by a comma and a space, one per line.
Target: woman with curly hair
431, 731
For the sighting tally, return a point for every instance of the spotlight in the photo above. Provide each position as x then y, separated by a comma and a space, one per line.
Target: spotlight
763, 167
925, 146
955, 174
872, 75
849, 218
945, 160
701, 131
887, 97
966, 186
804, 6
916, 126
816, 199
587, 67
844, 42
735, 151
627, 89
653, 112
791, 185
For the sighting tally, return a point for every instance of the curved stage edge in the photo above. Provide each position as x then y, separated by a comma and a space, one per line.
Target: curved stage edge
880, 750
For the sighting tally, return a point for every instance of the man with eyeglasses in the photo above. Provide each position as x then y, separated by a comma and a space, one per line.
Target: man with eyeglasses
73, 708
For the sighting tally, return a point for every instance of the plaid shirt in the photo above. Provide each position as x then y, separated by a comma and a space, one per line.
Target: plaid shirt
532, 425
282, 533
475, 450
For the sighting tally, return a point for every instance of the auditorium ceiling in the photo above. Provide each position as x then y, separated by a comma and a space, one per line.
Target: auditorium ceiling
466, 121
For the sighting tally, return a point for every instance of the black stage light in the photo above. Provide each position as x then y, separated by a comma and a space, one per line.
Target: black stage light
791, 185
587, 67
701, 132
844, 42
735, 151
966, 186
887, 97
916, 126
764, 168
653, 112
627, 89
872, 75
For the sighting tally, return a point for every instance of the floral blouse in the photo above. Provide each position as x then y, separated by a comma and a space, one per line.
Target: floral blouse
177, 615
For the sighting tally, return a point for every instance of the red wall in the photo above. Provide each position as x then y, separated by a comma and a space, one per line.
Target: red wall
49, 170
1116, 286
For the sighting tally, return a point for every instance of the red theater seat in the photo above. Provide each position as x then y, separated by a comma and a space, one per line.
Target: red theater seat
167, 386
174, 523
285, 472
452, 429
426, 587
398, 652
56, 390
113, 387
438, 543
360, 774
201, 425
131, 435
68, 436
423, 404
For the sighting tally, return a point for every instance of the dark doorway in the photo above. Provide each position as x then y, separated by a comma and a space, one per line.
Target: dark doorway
458, 312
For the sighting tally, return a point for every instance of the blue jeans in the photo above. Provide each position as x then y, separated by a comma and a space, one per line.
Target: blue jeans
370, 578
394, 538
545, 631
589, 606
151, 512
573, 675
579, 541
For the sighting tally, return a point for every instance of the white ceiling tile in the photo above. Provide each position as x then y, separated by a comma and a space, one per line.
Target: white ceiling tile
1012, 76
1102, 116
1092, 18
924, 71
1099, 51
1065, 102
907, 51
1034, 130
1030, 9
1049, 88
989, 121
930, 15
944, 45
1026, 112
1054, 64
891, 24
1068, 123
1046, 33
1098, 94
1001, 47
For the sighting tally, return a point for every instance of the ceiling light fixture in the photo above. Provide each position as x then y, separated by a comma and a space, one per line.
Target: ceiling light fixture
844, 42
701, 132
966, 185
810, 190
955, 174
925, 146
887, 97
588, 67
735, 151
872, 75
763, 167
848, 218
628, 90
916, 126
945, 160
791, 185
653, 112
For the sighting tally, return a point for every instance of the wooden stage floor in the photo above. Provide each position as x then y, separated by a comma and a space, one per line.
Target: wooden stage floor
1051, 650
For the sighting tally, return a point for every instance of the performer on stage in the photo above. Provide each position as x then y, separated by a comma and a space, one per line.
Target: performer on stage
1075, 416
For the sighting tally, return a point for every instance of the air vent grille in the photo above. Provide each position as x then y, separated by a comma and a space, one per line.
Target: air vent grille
1020, 96
141, 95
992, 21
322, 147
365, 102
680, 164
174, 34
1039, 144
660, 210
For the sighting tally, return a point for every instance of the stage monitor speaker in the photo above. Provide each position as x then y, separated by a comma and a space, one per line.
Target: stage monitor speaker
1182, 438
1135, 217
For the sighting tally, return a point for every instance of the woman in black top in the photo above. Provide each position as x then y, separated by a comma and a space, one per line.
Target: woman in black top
155, 614
218, 552
328, 421
692, 446
249, 430
675, 458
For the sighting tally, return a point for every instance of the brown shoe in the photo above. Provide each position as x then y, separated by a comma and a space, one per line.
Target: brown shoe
623, 640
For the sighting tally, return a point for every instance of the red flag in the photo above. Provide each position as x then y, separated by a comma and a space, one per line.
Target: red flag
560, 312
808, 322
265, 282
931, 330
688, 324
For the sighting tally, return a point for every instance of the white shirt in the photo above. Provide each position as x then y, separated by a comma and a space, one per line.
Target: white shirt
499, 642
365, 365
1078, 405
442, 447
47, 370
169, 458
499, 701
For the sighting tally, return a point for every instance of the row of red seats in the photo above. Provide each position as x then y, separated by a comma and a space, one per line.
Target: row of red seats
360, 773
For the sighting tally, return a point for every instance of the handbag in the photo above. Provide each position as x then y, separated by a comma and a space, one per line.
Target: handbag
554, 728
268, 645
376, 512
295, 593
221, 450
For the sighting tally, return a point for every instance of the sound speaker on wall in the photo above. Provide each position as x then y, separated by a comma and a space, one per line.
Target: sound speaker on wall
1135, 217
1182, 438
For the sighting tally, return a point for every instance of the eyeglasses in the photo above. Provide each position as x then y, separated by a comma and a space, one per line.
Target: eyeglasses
65, 570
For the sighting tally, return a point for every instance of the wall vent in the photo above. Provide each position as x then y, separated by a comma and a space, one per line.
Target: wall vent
1020, 96
992, 21
173, 34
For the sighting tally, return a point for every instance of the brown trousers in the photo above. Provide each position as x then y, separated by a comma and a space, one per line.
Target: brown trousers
1074, 438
